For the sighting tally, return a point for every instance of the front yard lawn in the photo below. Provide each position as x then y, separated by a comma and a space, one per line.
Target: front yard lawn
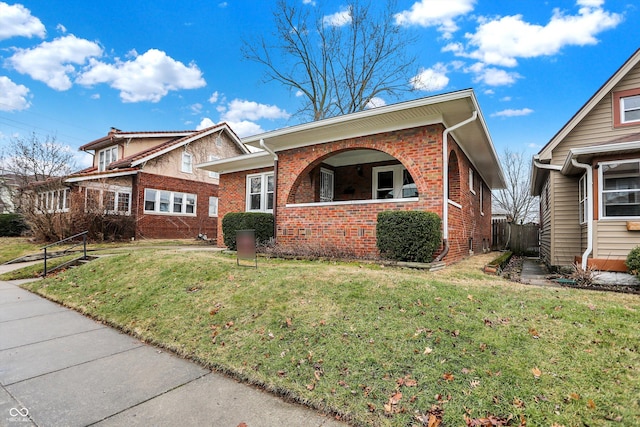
379, 346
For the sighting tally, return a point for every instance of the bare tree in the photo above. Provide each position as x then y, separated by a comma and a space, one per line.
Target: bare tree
338, 65
37, 167
516, 199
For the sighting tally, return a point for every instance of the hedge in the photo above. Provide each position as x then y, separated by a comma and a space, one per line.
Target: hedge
408, 235
262, 223
12, 224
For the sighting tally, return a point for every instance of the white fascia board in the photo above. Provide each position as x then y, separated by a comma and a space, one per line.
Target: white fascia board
99, 176
245, 162
345, 119
595, 150
150, 135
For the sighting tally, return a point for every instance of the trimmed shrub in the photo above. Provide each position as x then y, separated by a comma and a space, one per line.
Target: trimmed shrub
12, 224
633, 261
408, 235
261, 222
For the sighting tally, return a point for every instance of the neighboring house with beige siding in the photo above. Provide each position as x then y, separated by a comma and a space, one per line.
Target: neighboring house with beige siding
588, 179
151, 178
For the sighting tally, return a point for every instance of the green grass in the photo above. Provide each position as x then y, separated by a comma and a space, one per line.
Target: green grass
15, 247
346, 337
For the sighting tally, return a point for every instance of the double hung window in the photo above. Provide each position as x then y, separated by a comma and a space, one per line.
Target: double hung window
620, 189
107, 156
169, 202
260, 192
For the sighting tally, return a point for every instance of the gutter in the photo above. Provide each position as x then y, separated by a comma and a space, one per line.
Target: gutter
275, 185
539, 165
589, 170
445, 183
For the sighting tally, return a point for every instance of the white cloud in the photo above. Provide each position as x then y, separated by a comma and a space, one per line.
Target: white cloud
489, 92
245, 128
431, 79
375, 102
338, 19
53, 62
239, 110
436, 13
16, 20
492, 76
513, 113
311, 2
205, 123
13, 97
505, 99
147, 77
214, 97
61, 28
95, 96
223, 4
195, 108
502, 41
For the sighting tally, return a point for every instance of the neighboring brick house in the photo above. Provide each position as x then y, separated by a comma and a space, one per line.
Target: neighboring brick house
326, 181
150, 177
588, 179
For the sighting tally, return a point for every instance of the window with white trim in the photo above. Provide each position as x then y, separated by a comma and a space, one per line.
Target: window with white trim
187, 162
471, 181
630, 109
107, 156
481, 199
393, 182
213, 174
620, 189
169, 202
326, 185
111, 201
213, 206
583, 199
54, 201
260, 192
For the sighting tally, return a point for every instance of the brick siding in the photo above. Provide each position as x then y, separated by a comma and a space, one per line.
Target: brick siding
167, 226
351, 228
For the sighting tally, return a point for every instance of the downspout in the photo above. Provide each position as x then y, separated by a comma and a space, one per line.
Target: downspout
445, 184
275, 184
589, 172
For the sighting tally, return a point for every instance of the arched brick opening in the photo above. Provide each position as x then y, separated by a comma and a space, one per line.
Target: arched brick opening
454, 177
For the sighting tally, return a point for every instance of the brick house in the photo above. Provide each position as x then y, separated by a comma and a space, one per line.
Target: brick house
326, 181
150, 177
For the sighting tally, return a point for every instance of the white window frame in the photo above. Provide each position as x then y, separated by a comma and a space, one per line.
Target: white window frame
106, 157
398, 171
624, 110
264, 194
170, 199
54, 201
213, 206
186, 165
215, 175
602, 192
327, 180
119, 193
481, 199
471, 181
583, 199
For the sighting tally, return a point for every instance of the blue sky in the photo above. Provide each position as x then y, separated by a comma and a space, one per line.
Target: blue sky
74, 68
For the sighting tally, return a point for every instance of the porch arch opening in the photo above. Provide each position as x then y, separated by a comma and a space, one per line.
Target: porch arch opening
353, 175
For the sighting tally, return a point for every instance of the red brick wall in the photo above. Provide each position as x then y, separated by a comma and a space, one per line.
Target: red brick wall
351, 227
156, 226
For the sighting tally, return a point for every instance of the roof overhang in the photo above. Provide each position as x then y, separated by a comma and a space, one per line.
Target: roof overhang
100, 175
108, 140
586, 154
258, 160
448, 109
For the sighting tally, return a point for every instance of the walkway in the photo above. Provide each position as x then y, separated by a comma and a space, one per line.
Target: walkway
59, 368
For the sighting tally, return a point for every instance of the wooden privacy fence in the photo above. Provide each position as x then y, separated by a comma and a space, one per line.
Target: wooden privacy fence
521, 239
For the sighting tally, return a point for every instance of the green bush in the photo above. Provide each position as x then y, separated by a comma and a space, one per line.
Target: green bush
262, 223
408, 235
633, 261
12, 224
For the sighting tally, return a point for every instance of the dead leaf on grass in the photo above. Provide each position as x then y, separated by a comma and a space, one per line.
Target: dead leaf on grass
536, 372
391, 407
448, 376
433, 417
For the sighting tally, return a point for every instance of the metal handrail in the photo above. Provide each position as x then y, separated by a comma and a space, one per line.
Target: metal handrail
84, 243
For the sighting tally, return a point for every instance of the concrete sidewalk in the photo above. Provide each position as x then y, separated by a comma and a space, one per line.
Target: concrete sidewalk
59, 368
